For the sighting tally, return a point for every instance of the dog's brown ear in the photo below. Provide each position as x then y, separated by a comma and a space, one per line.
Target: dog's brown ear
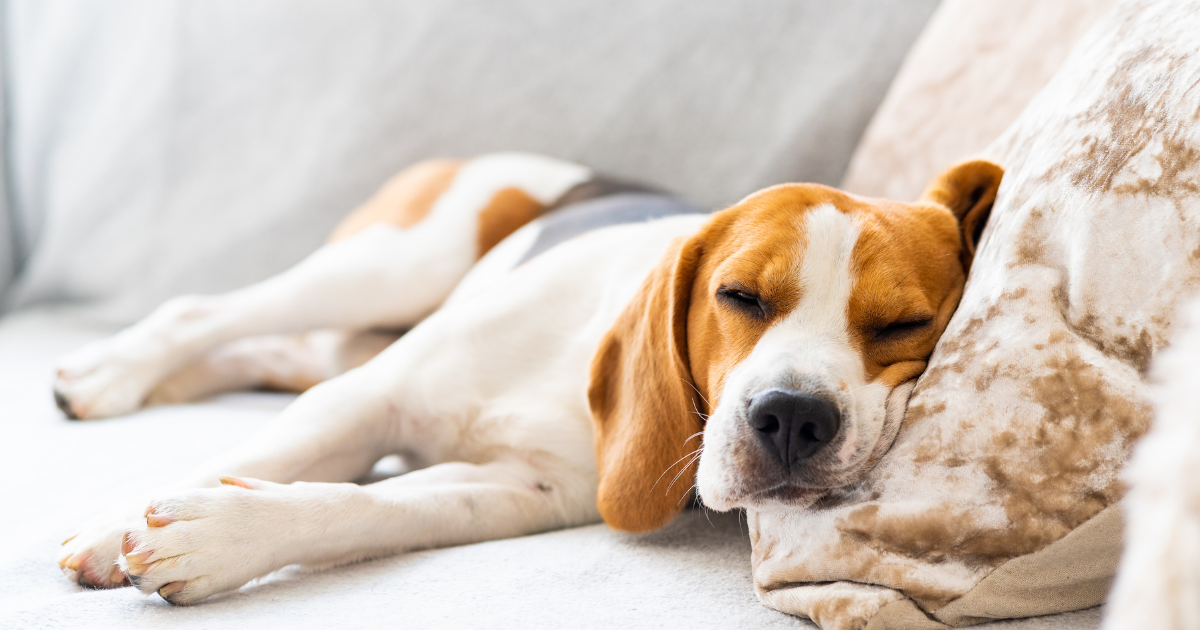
641, 396
968, 190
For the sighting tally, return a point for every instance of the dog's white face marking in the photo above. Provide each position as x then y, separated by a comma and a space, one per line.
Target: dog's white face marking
809, 351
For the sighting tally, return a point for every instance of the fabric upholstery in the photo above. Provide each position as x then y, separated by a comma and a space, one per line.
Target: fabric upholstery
162, 147
977, 64
1016, 433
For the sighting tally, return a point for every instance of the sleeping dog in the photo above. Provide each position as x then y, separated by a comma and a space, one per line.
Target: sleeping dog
610, 339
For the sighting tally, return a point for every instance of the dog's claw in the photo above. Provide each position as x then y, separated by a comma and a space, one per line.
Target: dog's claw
154, 519
118, 577
234, 481
61, 401
158, 520
170, 589
74, 561
138, 558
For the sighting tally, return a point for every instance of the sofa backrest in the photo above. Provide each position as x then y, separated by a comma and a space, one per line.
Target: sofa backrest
160, 147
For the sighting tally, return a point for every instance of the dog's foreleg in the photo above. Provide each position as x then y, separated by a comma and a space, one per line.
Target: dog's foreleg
200, 542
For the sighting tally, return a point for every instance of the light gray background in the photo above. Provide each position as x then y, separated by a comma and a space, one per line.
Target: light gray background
160, 147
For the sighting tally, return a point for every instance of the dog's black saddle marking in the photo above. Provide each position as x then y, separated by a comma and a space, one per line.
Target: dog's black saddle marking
569, 220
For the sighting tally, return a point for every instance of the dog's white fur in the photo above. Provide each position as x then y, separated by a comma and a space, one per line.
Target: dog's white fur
1158, 584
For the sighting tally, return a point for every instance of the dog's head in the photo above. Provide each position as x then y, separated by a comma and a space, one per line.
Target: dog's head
775, 336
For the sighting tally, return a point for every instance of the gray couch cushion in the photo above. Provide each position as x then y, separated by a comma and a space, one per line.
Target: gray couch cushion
169, 146
9, 254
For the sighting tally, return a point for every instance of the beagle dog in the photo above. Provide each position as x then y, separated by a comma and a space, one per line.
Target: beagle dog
576, 346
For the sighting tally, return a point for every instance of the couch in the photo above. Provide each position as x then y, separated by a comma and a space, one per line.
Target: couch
161, 147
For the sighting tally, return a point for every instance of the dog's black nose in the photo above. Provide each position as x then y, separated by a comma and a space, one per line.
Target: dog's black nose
793, 425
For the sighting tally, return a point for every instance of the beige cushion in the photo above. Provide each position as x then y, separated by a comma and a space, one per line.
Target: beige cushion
995, 498
974, 68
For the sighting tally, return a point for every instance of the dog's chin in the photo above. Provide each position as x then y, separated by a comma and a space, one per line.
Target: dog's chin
766, 490
783, 496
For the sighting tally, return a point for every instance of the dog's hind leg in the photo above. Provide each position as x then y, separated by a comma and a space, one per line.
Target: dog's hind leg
287, 363
391, 263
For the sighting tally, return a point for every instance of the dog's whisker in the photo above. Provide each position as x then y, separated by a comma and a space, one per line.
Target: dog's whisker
693, 386
685, 495
664, 473
676, 477
697, 453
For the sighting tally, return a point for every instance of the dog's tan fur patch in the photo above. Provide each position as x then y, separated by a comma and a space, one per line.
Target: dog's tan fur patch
403, 201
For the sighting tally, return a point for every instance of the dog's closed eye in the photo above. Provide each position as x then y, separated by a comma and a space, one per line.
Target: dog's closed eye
743, 300
903, 328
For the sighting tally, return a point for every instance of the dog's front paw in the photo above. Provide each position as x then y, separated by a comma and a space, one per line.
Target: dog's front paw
89, 557
206, 541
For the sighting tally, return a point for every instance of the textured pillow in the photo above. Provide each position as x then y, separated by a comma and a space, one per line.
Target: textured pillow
998, 497
167, 146
976, 65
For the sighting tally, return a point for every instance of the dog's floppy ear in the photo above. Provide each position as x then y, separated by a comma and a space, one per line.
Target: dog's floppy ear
641, 397
968, 190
